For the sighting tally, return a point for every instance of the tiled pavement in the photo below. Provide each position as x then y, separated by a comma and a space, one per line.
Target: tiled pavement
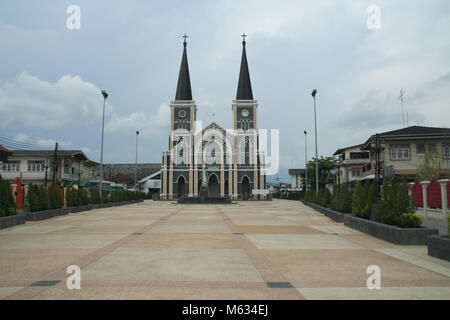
248, 250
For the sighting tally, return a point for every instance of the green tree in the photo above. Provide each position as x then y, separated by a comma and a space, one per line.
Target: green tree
371, 198
357, 202
32, 198
95, 196
84, 196
325, 166
395, 203
43, 198
344, 201
7, 203
55, 197
432, 165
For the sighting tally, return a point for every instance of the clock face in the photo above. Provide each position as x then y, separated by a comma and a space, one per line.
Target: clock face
245, 113
182, 113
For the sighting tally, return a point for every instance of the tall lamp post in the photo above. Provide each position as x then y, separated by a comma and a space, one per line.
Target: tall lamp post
313, 93
306, 163
105, 95
135, 168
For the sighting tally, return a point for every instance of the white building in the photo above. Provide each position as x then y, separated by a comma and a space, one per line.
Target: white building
40, 166
297, 179
151, 184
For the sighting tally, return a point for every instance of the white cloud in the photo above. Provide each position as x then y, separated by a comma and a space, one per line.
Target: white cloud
34, 102
148, 125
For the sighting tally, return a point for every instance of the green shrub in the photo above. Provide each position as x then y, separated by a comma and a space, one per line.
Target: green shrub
72, 197
358, 201
84, 197
324, 197
43, 198
95, 196
105, 196
410, 220
394, 202
32, 198
55, 197
371, 198
344, 199
7, 203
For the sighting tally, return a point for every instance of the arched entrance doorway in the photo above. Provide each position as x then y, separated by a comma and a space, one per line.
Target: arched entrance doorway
213, 186
181, 187
245, 188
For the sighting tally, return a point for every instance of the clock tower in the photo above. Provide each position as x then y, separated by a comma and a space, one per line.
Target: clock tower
245, 151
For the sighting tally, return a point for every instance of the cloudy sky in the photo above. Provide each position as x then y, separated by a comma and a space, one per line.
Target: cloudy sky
51, 76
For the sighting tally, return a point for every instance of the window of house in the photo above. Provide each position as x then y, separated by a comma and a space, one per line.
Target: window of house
66, 169
359, 155
421, 148
10, 166
446, 150
36, 166
399, 151
356, 173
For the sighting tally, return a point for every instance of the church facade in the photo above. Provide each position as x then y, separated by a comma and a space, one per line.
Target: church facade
228, 161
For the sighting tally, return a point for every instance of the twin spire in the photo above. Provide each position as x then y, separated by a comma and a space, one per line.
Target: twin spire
184, 91
244, 90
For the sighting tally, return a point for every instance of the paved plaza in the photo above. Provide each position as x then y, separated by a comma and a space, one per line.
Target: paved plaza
246, 250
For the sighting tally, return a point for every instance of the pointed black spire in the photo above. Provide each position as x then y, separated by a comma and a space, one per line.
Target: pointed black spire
244, 90
184, 82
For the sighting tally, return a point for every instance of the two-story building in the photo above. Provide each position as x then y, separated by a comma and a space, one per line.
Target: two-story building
44, 166
401, 152
351, 161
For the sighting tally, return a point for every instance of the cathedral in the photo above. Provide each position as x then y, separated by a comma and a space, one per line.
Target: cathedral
227, 161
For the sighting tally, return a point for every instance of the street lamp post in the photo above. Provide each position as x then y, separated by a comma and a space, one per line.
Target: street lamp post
313, 93
105, 95
135, 168
306, 163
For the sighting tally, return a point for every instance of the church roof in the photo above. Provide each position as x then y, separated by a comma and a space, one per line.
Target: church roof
214, 126
184, 82
244, 90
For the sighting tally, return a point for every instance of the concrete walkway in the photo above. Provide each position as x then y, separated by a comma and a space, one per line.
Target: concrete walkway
248, 250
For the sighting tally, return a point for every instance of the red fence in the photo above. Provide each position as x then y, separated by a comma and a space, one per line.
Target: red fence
434, 196
448, 194
417, 194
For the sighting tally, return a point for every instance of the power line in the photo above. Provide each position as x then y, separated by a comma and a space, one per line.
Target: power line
23, 145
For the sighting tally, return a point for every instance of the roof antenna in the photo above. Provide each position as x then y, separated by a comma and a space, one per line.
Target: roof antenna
407, 119
401, 99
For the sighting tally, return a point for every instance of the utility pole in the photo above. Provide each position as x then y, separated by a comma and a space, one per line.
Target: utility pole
306, 163
135, 169
313, 93
105, 95
55, 163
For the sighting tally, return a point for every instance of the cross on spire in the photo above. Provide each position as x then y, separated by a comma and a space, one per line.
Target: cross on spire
185, 36
243, 37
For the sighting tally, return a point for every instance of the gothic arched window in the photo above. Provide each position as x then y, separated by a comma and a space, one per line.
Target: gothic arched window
247, 150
